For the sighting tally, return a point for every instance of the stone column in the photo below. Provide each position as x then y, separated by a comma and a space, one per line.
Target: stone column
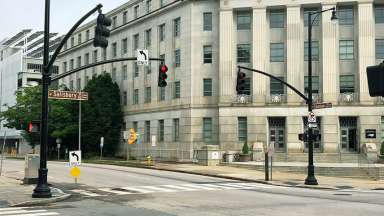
330, 134
366, 29
330, 56
295, 53
259, 53
226, 67
294, 126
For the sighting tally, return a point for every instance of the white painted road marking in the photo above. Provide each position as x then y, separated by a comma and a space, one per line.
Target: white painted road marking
171, 188
24, 211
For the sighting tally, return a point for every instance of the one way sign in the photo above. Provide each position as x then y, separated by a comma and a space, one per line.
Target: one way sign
75, 158
142, 57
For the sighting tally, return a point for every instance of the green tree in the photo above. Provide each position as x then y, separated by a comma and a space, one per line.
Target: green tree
102, 116
61, 121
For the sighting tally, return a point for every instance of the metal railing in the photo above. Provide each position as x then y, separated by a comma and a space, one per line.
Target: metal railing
348, 98
162, 154
276, 98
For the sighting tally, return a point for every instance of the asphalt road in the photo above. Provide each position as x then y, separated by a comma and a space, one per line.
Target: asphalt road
111, 190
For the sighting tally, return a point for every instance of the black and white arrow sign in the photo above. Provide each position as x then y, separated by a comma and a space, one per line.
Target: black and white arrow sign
74, 158
142, 57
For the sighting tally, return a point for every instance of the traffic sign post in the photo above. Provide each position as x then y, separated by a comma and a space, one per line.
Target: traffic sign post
312, 120
101, 147
322, 105
142, 57
74, 158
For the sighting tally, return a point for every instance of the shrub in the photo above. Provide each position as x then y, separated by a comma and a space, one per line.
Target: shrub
245, 149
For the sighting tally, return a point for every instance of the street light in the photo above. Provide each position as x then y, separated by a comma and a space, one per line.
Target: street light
311, 179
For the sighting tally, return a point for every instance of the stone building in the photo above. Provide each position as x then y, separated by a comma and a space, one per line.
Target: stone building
203, 42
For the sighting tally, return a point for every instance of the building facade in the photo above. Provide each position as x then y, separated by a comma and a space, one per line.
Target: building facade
20, 66
203, 42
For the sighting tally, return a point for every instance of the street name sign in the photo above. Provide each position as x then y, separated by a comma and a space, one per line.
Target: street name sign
142, 57
67, 95
322, 105
74, 158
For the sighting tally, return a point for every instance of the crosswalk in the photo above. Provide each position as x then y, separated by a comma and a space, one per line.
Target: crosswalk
24, 211
129, 190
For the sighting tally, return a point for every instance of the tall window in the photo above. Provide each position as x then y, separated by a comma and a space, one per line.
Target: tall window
277, 52
71, 64
124, 46
242, 129
71, 85
114, 22
72, 41
161, 130
176, 27
247, 86
176, 130
148, 95
306, 14
315, 84
125, 98
345, 15
243, 53
177, 90
136, 11
346, 50
379, 13
78, 84
136, 69
207, 88
86, 59
78, 61
207, 21
148, 69
125, 17
136, 42
136, 96
207, 54
65, 66
148, 6
315, 51
347, 83
114, 49
87, 35
177, 58
125, 72
148, 37
161, 93
94, 56
113, 76
162, 32
161, 3
134, 126
276, 87
104, 54
243, 21
147, 130
276, 19
379, 49
207, 129
79, 38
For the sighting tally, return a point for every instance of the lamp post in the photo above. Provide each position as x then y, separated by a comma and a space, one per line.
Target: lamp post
311, 179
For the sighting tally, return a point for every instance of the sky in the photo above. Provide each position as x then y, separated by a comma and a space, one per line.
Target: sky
29, 14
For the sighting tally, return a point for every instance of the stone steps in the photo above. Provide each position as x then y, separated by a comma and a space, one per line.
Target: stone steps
317, 157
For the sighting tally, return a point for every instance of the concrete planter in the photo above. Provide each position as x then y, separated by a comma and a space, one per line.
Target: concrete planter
244, 157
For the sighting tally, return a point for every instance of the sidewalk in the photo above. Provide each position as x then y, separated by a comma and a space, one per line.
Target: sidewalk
14, 193
246, 174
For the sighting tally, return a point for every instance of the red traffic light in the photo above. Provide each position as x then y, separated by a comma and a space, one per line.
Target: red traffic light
33, 127
164, 68
30, 127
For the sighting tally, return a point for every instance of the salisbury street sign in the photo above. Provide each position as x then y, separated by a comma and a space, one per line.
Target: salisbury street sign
67, 95
322, 105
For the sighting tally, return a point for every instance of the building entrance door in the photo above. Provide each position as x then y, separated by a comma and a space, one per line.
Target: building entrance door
348, 132
277, 133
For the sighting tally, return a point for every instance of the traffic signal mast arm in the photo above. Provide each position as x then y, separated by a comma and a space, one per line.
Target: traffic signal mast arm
282, 81
99, 63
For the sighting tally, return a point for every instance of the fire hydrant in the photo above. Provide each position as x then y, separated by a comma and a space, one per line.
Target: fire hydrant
149, 160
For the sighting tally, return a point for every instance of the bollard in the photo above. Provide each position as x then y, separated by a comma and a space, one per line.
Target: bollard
266, 168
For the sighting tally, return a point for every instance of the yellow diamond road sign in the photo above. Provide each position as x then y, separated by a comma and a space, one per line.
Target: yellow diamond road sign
75, 172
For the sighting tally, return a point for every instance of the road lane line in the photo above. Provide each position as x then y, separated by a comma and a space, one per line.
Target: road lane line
180, 187
111, 190
20, 211
12, 208
86, 193
38, 214
200, 186
158, 188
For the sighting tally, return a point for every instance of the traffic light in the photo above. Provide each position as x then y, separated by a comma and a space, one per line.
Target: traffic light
162, 75
303, 137
240, 85
33, 127
101, 31
375, 75
316, 136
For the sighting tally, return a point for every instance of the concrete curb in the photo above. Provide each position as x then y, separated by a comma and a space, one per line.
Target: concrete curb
222, 176
59, 197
